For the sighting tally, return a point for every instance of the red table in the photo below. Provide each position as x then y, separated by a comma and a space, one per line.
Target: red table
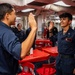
36, 56
53, 51
43, 43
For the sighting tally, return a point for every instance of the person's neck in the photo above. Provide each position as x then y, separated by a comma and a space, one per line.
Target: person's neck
65, 29
19, 29
5, 22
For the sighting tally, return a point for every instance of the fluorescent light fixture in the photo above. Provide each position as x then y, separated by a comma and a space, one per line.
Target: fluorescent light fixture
57, 18
18, 18
27, 10
25, 2
61, 3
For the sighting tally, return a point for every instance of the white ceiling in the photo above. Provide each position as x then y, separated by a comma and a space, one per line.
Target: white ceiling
22, 4
13, 2
16, 2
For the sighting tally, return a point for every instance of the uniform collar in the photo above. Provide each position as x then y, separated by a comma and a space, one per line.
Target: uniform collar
69, 30
3, 24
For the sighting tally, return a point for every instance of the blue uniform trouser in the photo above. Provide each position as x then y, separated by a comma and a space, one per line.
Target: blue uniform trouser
65, 66
6, 74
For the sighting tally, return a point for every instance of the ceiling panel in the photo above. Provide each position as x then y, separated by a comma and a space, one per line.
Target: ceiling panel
69, 2
37, 5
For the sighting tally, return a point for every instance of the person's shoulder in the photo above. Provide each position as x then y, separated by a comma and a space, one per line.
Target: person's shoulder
23, 31
14, 30
59, 32
4, 29
7, 33
28, 30
72, 31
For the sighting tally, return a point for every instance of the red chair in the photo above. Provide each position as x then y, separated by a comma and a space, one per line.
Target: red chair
47, 69
48, 44
28, 69
39, 45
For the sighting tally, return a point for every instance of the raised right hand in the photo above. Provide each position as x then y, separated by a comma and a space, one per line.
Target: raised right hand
50, 27
32, 21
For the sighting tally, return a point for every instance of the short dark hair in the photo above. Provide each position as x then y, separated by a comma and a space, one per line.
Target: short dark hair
5, 8
48, 23
64, 15
18, 24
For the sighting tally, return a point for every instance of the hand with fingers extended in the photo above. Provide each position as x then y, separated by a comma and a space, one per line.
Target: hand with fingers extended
51, 25
32, 21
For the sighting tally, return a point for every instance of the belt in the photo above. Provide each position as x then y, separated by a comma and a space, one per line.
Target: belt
66, 56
